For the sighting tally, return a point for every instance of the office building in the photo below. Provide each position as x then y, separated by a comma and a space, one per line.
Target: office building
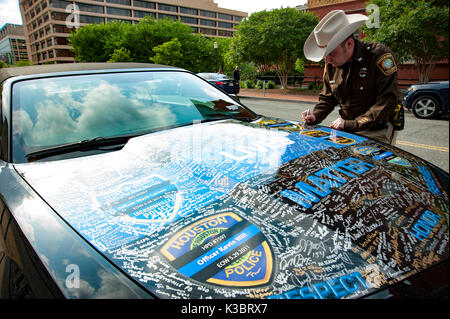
12, 44
47, 23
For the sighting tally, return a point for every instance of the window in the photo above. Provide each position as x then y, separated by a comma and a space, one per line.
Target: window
59, 16
205, 13
124, 2
141, 14
189, 20
144, 4
136, 103
207, 31
168, 16
59, 3
167, 7
118, 12
189, 11
118, 20
61, 41
225, 16
209, 23
225, 33
226, 25
91, 19
91, 8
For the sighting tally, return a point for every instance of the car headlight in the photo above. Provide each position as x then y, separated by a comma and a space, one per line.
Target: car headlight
410, 89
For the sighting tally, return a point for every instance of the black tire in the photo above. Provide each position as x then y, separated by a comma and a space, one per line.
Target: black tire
425, 107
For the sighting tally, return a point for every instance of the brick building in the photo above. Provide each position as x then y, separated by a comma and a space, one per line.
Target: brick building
407, 73
47, 32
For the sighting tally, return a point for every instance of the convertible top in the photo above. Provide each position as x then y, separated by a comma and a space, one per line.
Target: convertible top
6, 73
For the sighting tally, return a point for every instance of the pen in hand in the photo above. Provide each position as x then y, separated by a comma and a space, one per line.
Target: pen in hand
306, 116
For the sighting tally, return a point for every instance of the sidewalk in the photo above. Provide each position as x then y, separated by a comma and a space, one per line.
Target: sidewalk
277, 94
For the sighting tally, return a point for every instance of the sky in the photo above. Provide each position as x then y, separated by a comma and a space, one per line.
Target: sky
10, 13
251, 6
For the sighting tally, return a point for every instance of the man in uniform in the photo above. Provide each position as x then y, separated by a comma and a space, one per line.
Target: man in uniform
361, 77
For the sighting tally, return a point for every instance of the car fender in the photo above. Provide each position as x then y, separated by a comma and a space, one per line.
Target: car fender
33, 231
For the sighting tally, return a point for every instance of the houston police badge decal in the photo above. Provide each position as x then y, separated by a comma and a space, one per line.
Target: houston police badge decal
222, 249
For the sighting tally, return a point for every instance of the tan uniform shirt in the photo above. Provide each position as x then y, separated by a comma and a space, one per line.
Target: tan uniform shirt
365, 88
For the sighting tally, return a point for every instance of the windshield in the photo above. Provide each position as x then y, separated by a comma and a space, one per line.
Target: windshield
60, 110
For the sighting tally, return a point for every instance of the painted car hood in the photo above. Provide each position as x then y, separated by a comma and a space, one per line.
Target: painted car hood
259, 210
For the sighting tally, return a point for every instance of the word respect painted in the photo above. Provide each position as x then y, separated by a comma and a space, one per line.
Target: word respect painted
331, 289
321, 183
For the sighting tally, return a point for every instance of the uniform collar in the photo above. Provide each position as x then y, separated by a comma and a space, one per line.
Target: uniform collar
357, 56
358, 53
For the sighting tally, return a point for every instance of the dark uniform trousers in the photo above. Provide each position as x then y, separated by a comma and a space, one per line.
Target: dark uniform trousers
365, 89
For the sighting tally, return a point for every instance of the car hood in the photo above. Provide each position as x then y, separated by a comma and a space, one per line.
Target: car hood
431, 85
260, 210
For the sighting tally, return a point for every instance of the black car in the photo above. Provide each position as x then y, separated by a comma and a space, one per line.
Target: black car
428, 100
229, 85
145, 181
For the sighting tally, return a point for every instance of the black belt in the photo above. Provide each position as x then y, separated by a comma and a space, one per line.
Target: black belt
379, 126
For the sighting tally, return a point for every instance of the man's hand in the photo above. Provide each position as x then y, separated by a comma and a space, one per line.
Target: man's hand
338, 124
308, 117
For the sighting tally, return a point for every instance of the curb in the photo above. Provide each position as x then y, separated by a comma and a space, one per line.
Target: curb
276, 99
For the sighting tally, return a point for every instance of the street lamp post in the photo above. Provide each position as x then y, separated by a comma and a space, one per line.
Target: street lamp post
215, 52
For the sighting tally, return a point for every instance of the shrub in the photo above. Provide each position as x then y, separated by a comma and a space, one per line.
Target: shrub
270, 85
315, 87
249, 84
259, 84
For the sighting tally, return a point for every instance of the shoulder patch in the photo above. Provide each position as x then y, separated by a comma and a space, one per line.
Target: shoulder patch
386, 64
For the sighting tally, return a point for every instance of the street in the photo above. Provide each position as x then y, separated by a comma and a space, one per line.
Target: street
428, 139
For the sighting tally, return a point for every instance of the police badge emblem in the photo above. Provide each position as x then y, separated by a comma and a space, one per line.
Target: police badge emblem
222, 249
386, 64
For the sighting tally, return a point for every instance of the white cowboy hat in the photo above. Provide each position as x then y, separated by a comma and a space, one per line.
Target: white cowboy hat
331, 31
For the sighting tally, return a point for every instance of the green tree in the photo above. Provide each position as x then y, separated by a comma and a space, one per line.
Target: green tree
273, 40
23, 63
415, 30
148, 40
97, 42
120, 55
150, 33
169, 53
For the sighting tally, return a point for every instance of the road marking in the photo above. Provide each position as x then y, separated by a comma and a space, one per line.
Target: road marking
425, 146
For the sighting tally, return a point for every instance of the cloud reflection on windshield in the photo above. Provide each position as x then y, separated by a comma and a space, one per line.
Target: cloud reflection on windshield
103, 110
